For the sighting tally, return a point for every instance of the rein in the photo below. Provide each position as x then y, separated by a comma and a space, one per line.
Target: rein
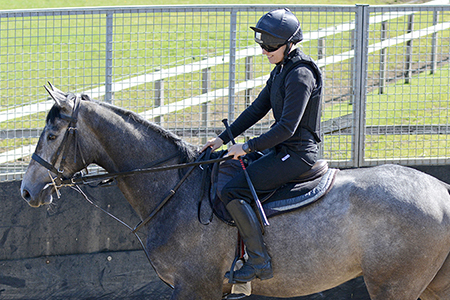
90, 178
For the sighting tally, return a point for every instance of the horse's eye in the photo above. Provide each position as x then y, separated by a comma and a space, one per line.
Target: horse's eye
51, 137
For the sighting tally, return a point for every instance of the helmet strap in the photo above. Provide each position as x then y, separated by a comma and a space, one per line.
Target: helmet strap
286, 52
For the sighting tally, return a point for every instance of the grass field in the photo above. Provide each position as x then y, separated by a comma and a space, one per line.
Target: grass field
71, 51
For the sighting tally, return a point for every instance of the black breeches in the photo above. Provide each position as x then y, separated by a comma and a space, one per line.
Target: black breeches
268, 173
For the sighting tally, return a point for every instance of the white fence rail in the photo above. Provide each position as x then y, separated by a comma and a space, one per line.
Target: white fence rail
311, 37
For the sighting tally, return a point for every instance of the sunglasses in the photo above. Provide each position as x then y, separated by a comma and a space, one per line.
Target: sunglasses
270, 48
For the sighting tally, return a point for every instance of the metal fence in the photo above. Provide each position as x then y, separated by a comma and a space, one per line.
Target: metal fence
386, 71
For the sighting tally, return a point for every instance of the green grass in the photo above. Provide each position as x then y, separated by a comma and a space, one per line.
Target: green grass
30, 4
389, 147
424, 101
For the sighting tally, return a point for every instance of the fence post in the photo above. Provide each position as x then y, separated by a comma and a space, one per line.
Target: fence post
248, 76
434, 44
206, 86
409, 48
232, 66
321, 54
109, 57
159, 98
320, 48
383, 59
359, 105
353, 65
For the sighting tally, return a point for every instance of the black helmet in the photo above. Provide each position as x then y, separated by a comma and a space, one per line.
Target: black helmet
277, 28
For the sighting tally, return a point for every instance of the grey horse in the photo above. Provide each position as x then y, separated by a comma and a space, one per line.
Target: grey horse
390, 224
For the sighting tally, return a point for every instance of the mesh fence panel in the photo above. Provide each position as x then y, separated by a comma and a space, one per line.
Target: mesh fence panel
385, 70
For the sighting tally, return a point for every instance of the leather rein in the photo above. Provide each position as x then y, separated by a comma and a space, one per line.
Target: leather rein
60, 181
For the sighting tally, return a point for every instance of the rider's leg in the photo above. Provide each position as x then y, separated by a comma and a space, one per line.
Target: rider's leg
267, 173
258, 264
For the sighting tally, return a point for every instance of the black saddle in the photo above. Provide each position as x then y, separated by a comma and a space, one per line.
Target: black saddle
306, 189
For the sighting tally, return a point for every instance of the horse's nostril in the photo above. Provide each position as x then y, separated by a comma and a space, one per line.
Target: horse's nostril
26, 195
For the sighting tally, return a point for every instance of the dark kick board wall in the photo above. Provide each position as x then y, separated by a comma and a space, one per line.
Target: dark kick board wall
71, 250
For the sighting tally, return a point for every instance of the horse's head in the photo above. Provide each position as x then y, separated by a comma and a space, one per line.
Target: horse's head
56, 155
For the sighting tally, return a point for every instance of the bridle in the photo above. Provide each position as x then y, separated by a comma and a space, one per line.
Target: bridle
70, 134
60, 181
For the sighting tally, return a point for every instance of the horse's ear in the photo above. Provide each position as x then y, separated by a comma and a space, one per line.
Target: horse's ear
61, 99
85, 97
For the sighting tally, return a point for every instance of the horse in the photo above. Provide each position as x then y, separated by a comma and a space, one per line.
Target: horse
389, 223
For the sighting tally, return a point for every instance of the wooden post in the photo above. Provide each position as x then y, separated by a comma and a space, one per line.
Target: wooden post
206, 86
320, 55
248, 76
434, 44
383, 59
409, 51
320, 48
159, 98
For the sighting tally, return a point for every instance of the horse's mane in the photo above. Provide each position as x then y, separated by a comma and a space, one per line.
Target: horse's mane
187, 150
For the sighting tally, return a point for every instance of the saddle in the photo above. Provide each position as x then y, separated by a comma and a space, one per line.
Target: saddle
304, 190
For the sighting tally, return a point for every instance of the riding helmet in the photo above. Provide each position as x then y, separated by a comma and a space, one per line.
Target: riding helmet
278, 27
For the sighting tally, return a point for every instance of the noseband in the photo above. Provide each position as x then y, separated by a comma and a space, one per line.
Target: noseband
62, 151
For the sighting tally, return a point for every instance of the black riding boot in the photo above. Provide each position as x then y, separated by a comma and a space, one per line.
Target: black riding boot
259, 263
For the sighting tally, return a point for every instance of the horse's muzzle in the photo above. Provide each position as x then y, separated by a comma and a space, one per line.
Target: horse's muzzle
42, 198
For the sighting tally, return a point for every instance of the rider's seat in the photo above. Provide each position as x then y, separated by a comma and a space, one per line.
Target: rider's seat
317, 170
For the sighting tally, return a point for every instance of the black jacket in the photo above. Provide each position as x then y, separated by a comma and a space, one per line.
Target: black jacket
293, 92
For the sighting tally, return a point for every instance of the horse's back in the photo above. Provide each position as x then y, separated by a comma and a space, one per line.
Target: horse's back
400, 193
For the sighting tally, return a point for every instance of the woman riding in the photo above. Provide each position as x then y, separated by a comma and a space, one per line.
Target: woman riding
293, 92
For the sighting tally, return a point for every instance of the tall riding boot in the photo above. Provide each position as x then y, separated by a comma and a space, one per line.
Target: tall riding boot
259, 263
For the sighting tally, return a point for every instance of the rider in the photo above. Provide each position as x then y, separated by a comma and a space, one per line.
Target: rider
293, 92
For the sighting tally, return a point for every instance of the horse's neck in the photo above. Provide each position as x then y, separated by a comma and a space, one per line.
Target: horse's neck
126, 144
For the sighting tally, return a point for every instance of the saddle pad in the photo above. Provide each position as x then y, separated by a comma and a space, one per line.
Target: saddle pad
305, 196
289, 197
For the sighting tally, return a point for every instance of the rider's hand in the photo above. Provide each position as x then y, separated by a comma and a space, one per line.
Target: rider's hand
236, 151
214, 143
